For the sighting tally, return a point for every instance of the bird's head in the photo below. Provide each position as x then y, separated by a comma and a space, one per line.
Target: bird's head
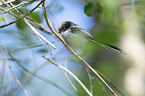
65, 26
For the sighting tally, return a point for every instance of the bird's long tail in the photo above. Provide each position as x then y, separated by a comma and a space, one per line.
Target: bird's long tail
110, 47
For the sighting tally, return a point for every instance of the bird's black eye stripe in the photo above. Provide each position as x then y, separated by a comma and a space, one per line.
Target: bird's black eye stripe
67, 25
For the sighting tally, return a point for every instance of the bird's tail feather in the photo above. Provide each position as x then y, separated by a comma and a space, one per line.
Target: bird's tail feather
110, 47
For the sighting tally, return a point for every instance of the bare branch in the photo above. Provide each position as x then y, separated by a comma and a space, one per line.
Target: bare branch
2, 26
3, 74
15, 7
4, 3
33, 22
12, 71
36, 76
73, 75
39, 35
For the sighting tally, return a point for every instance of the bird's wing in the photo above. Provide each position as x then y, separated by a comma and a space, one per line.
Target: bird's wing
81, 32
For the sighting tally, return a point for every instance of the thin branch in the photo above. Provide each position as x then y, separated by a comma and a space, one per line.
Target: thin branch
36, 76
35, 31
112, 84
29, 47
38, 34
69, 48
44, 44
13, 72
33, 22
68, 77
37, 25
4, 3
36, 70
2, 26
15, 6
90, 79
74, 76
2, 82
70, 82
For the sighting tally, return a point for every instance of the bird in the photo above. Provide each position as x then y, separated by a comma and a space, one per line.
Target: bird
77, 37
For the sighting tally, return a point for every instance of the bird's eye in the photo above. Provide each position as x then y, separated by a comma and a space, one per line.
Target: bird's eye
63, 28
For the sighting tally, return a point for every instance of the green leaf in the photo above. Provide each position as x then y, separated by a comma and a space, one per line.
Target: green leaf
89, 8
42, 50
21, 24
2, 19
36, 17
99, 8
